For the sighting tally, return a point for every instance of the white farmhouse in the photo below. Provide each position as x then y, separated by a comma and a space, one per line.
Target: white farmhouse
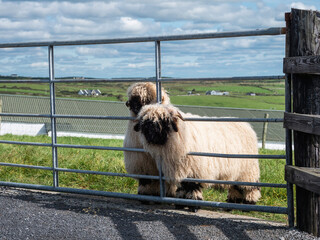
216, 93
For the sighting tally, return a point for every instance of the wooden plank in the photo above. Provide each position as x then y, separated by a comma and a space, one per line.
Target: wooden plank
305, 64
302, 122
306, 178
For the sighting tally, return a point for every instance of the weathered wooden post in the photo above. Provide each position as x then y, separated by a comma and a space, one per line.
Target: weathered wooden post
0, 112
301, 65
264, 131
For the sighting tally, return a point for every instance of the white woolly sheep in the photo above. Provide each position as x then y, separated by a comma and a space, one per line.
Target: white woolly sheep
140, 94
168, 138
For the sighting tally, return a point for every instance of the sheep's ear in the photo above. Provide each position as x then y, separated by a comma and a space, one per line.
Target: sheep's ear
137, 127
174, 125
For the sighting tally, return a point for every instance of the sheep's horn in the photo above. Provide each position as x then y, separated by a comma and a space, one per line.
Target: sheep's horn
180, 116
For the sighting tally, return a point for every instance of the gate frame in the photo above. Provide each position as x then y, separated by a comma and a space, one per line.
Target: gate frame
157, 79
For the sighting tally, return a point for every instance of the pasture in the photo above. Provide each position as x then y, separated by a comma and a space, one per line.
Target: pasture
269, 93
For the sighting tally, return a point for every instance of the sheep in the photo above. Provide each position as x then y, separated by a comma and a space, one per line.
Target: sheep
168, 138
140, 94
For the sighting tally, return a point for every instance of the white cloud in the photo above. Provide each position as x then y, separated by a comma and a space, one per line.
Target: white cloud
191, 64
140, 65
39, 64
97, 51
131, 25
301, 5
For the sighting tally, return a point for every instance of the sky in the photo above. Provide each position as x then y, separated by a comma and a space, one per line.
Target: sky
36, 21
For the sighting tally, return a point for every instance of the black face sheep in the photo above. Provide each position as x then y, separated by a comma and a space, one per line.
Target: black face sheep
139, 95
168, 138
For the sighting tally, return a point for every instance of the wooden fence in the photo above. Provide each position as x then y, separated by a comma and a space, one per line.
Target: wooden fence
302, 68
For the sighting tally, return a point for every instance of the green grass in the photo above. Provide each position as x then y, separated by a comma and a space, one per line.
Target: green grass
272, 171
254, 102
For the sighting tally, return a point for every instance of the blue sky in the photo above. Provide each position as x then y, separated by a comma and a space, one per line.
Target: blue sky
28, 21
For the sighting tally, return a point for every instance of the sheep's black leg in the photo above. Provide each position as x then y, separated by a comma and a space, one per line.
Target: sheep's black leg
235, 195
146, 187
188, 190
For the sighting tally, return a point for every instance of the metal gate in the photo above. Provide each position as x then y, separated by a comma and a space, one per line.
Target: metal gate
158, 80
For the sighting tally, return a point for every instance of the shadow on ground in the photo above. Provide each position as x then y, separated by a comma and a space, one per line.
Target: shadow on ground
37, 215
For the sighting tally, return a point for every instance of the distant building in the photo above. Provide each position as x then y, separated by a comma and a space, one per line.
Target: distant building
87, 92
216, 93
14, 75
94, 93
81, 92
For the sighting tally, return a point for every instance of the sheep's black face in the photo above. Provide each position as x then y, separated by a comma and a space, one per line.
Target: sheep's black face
134, 104
155, 132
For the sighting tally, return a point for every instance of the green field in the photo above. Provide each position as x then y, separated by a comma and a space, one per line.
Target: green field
269, 93
253, 102
272, 171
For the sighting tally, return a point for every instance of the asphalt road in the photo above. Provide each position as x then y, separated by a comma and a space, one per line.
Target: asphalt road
28, 214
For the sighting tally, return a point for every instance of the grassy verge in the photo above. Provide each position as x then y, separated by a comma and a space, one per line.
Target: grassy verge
272, 171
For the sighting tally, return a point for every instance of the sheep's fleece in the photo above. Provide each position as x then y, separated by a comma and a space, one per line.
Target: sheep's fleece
167, 137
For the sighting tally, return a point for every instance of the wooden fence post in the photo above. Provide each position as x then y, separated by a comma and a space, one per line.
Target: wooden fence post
0, 112
264, 131
305, 41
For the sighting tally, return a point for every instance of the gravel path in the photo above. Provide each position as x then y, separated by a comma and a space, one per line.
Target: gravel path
38, 215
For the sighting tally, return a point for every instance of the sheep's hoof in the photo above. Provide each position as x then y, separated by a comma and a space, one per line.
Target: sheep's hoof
179, 207
249, 202
194, 209
235, 200
190, 208
226, 209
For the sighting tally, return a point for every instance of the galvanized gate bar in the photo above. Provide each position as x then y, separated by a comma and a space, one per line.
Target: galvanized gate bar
93, 117
152, 79
24, 81
25, 166
25, 115
231, 119
158, 70
26, 143
53, 120
202, 119
244, 207
259, 32
246, 78
204, 154
258, 184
